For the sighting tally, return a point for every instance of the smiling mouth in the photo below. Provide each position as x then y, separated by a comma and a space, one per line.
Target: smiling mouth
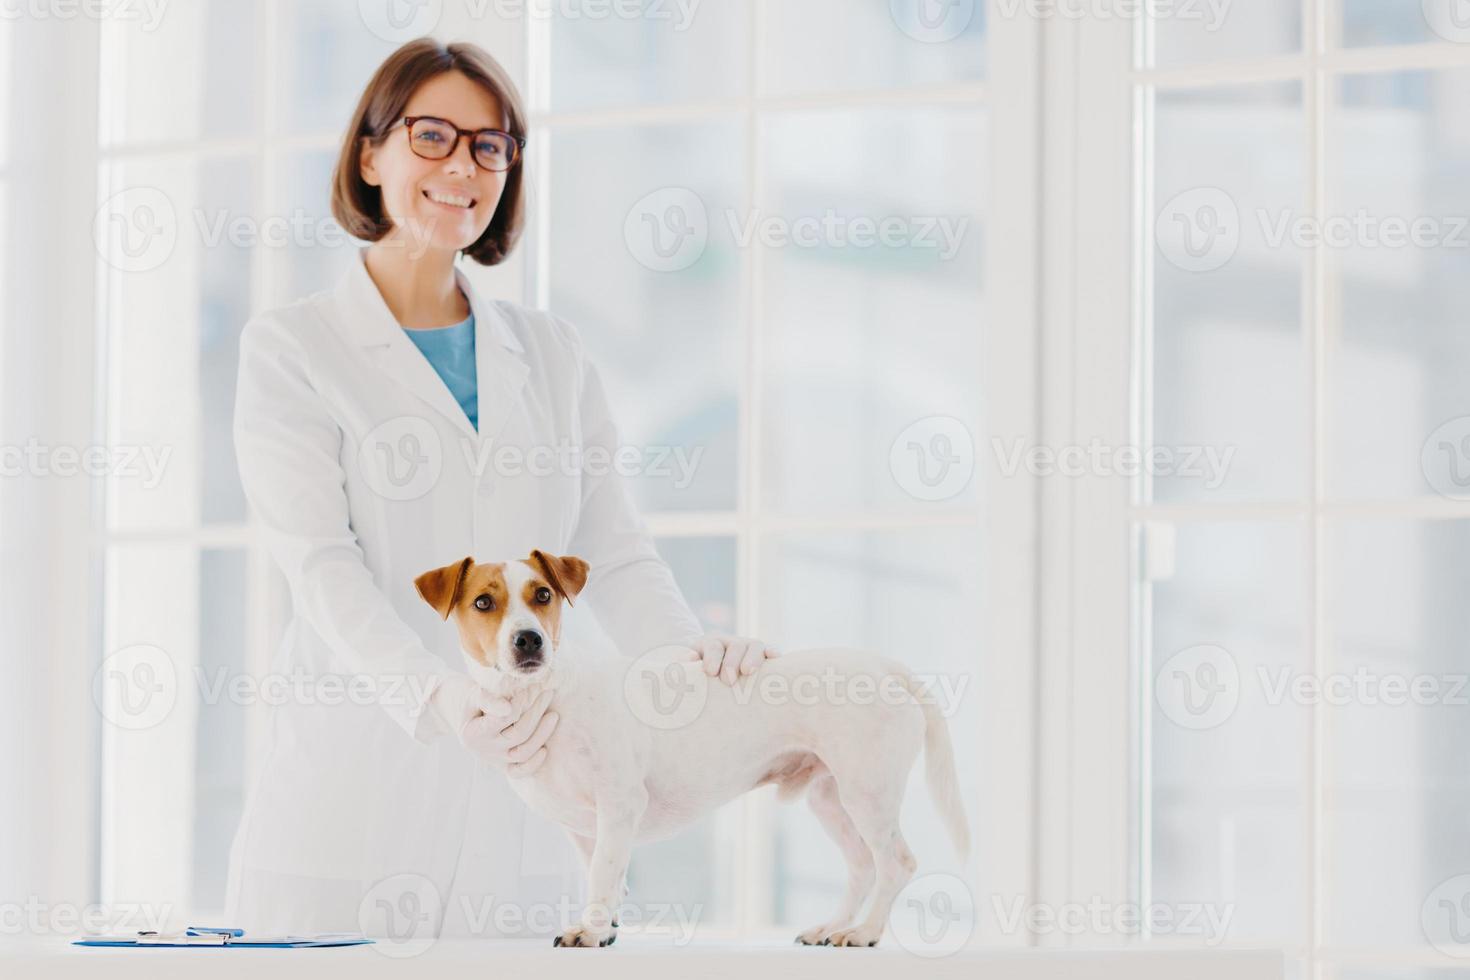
528, 666
452, 200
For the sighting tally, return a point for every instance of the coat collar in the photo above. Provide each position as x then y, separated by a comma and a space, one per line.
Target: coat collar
500, 366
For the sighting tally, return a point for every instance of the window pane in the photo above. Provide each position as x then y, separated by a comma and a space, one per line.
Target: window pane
177, 236
1400, 161
1366, 22
705, 571
695, 870
831, 45
1198, 33
185, 74
328, 55
318, 256
666, 52
219, 743
1397, 785
144, 688
1227, 756
174, 741
644, 264
865, 590
1227, 366
868, 334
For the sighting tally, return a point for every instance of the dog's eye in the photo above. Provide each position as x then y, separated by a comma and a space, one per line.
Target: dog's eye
484, 602
543, 595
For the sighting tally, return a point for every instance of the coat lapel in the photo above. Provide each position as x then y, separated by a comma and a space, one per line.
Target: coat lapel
500, 367
500, 362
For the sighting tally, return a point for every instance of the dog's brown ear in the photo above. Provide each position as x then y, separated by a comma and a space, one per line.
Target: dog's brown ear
440, 588
566, 573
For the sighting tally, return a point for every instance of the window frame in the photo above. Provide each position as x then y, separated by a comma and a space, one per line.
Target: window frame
50, 605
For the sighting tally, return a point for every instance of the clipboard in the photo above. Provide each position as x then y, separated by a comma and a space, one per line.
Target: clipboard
207, 936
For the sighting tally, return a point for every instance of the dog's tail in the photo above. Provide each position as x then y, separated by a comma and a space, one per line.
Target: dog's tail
939, 770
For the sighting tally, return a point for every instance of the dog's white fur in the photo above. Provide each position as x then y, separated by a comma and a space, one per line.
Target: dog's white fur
614, 781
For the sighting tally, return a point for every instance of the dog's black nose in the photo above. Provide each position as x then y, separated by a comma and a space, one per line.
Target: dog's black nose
527, 643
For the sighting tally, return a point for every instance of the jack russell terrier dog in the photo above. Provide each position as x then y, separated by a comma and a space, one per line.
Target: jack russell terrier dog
613, 779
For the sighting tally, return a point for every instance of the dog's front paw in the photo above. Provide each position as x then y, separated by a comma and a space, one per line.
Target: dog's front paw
584, 937
855, 937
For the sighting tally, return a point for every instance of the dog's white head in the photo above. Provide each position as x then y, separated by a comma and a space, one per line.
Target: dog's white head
508, 613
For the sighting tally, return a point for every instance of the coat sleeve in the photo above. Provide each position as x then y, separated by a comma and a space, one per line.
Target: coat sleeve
629, 587
287, 448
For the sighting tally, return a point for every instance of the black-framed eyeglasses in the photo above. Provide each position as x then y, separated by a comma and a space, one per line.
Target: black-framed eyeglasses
434, 139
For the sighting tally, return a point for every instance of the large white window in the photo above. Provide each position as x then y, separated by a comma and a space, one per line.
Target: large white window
1285, 326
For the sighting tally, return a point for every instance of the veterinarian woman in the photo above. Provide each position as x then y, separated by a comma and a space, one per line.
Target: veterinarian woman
390, 425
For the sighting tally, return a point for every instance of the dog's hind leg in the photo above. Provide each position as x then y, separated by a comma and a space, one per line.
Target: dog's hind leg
874, 811
822, 798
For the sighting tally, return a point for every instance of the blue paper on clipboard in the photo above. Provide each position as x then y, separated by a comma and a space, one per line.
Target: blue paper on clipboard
208, 936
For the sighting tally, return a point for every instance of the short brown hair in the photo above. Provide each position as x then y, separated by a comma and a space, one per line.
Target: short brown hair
358, 206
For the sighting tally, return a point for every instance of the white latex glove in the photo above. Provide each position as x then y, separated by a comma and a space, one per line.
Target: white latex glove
489, 726
731, 657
